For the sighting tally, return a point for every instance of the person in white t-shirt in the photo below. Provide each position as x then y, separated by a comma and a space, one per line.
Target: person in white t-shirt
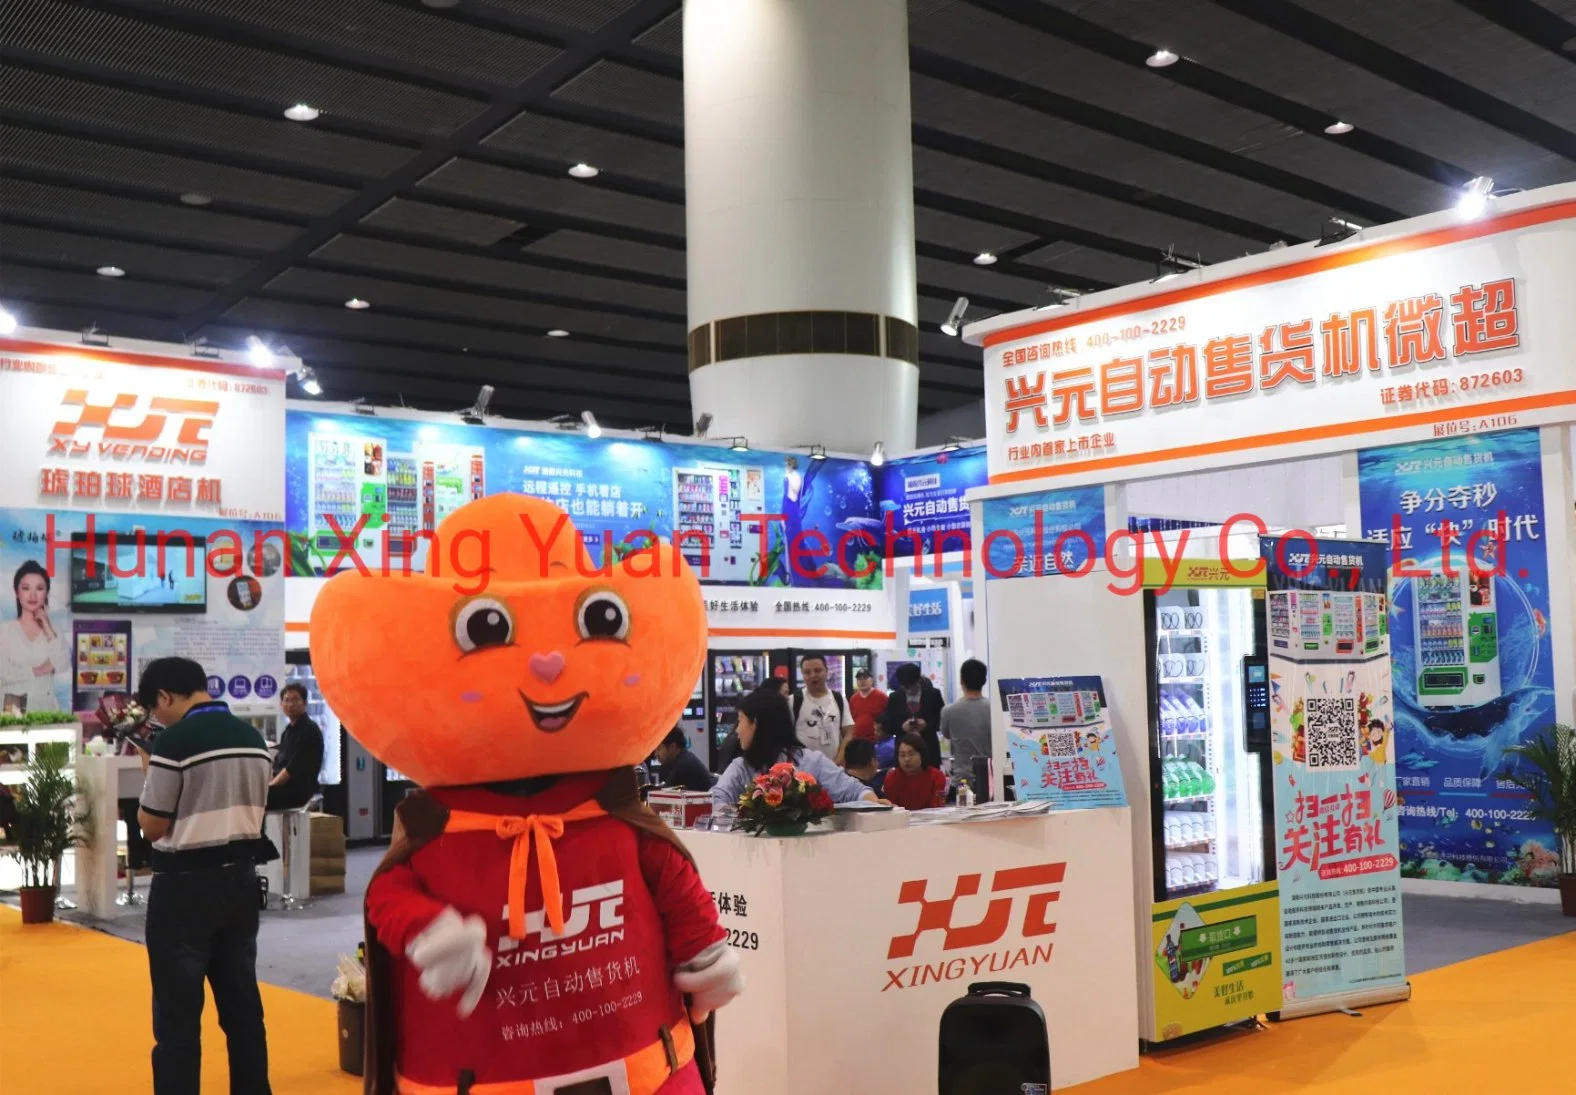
821, 717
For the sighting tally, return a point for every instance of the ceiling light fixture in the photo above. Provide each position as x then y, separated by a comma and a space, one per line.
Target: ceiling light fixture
585, 171
558, 332
356, 304
1475, 200
1161, 58
477, 414
7, 322
307, 378
1336, 129
739, 444
954, 321
110, 272
878, 455
592, 429
302, 113
258, 350
985, 258
195, 197
817, 452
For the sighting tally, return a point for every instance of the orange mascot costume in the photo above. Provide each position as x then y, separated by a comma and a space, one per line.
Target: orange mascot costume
534, 929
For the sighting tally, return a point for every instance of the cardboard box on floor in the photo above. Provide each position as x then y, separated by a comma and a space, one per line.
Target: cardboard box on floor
328, 854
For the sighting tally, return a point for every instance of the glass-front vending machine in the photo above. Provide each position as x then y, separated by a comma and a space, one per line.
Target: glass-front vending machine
733, 675
1210, 787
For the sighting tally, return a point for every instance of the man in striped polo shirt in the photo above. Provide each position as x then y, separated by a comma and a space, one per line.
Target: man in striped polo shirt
202, 807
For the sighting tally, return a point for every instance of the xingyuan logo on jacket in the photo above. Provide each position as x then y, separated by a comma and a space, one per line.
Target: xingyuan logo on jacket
1018, 896
595, 919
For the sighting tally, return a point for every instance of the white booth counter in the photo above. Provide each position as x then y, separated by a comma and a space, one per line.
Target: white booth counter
853, 943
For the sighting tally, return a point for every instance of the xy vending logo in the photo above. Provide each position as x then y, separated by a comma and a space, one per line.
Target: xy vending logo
1021, 904
116, 431
595, 919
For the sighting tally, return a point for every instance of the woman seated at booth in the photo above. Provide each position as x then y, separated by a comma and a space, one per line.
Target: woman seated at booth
766, 737
914, 784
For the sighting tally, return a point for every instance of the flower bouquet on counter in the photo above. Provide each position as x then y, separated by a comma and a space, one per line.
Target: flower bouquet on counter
783, 801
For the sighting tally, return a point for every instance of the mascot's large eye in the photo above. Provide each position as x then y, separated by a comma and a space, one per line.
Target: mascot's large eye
483, 623
602, 615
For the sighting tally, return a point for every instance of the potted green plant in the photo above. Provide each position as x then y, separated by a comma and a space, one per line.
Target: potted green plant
1549, 777
46, 827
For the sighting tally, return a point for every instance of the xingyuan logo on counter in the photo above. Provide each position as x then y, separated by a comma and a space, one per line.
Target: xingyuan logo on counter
1020, 905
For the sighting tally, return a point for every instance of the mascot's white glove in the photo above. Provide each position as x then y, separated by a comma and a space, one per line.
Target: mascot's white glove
711, 979
453, 956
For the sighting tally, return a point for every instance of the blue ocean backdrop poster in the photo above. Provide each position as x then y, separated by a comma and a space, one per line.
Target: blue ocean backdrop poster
741, 512
1044, 532
1473, 661
922, 500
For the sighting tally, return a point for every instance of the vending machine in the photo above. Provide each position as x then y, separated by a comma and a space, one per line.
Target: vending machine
347, 479
712, 500
404, 508
1456, 635
732, 676
348, 774
450, 476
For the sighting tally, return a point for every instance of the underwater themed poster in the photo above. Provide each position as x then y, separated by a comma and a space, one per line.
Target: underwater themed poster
350, 477
1473, 661
1336, 809
922, 500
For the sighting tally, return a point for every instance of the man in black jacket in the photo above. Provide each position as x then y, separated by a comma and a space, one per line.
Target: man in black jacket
914, 706
679, 767
300, 753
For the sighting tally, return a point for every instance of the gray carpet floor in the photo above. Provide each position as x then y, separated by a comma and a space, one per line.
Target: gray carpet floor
299, 949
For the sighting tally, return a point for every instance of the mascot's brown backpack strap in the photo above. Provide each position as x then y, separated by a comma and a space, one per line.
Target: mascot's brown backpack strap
620, 797
417, 820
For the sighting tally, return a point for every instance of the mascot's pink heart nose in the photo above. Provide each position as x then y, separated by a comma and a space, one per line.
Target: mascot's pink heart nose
547, 668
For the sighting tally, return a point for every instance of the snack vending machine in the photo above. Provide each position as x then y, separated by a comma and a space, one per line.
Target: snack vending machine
404, 507
451, 476
734, 675
1456, 639
347, 479
713, 500
102, 656
348, 774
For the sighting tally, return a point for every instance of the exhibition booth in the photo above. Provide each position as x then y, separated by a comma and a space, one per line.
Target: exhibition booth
1313, 677
1222, 553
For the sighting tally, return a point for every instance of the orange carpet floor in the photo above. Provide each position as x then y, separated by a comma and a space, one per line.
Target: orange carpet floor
75, 1017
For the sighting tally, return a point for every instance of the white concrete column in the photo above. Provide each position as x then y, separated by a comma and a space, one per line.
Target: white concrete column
800, 199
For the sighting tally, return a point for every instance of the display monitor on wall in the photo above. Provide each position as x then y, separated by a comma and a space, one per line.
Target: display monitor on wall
138, 577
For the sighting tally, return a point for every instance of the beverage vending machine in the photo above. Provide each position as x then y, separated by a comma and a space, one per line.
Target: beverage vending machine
1456, 635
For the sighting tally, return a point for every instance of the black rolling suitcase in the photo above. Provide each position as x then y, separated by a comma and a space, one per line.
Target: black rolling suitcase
994, 1042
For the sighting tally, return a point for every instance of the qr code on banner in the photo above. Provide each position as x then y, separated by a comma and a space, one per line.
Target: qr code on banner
1331, 728
1061, 743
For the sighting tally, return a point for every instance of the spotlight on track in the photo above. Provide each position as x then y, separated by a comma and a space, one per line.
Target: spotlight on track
878, 455
8, 323
92, 336
307, 378
817, 452
593, 431
1336, 229
739, 444
702, 424
258, 351
1171, 264
954, 444
477, 414
1474, 201
954, 322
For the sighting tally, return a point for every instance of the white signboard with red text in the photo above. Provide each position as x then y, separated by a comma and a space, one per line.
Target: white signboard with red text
853, 944
1439, 328
92, 429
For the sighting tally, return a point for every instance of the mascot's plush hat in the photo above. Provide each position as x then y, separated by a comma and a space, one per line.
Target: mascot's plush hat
538, 665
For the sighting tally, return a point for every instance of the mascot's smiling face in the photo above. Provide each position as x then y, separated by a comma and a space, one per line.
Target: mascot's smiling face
539, 666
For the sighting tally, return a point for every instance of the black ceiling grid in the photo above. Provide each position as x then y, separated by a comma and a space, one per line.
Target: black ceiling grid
434, 184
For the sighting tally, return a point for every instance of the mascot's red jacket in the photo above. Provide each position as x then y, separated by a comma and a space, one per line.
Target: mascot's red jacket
534, 930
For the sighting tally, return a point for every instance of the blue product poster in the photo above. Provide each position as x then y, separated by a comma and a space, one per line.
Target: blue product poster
1473, 661
1336, 809
1059, 741
922, 500
1044, 532
748, 518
